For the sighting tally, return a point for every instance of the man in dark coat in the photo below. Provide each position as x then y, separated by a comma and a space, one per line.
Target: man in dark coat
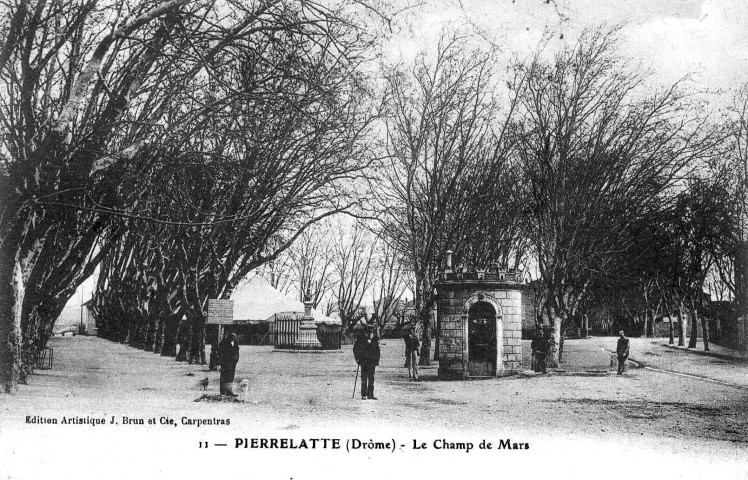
228, 356
539, 347
622, 351
366, 353
411, 352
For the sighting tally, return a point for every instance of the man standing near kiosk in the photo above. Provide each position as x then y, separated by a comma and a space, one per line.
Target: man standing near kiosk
366, 352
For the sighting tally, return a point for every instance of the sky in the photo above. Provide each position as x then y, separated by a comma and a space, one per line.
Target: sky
71, 314
705, 39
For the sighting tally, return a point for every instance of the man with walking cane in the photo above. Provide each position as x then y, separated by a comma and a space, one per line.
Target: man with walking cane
366, 353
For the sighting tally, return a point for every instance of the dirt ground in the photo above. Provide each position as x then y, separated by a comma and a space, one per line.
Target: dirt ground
683, 406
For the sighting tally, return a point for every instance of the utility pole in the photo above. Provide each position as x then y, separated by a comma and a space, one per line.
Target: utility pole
80, 327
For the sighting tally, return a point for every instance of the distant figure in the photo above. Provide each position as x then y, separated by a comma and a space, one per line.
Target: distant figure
622, 351
204, 383
411, 352
228, 357
539, 347
366, 353
213, 358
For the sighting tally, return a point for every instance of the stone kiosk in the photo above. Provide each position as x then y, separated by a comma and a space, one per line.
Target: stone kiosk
479, 319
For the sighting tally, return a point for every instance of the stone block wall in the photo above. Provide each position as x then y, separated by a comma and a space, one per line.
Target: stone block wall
455, 299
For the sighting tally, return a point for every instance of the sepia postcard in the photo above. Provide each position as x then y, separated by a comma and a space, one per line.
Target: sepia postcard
321, 239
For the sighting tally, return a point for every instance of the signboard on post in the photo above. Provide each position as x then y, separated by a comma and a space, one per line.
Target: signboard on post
220, 312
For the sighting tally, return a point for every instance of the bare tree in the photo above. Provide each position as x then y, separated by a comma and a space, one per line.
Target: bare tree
278, 272
70, 75
732, 259
286, 126
444, 151
599, 153
353, 268
96, 93
389, 284
312, 263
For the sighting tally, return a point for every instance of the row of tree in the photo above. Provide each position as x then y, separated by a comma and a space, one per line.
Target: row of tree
180, 145
608, 187
678, 261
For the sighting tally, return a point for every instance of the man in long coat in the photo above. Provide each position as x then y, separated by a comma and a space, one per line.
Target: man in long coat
539, 347
366, 353
622, 351
228, 357
411, 352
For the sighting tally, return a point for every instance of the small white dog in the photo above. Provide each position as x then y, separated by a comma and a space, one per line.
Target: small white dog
614, 363
244, 387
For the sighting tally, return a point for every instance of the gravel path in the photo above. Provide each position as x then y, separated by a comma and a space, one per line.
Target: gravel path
643, 411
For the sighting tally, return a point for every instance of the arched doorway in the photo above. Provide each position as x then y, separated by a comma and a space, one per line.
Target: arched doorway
481, 340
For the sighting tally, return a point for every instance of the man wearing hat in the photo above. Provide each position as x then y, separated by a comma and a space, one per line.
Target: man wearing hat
539, 347
411, 352
366, 353
228, 357
622, 351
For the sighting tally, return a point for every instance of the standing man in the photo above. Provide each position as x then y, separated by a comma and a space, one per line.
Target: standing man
228, 356
366, 353
622, 350
411, 352
213, 358
539, 348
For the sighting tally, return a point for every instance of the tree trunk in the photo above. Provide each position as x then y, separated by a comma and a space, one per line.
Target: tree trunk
101, 312
681, 326
150, 335
694, 329
171, 330
11, 306
33, 341
143, 325
133, 336
651, 323
741, 279
123, 320
554, 347
437, 334
107, 327
158, 336
425, 337
197, 342
705, 332
181, 352
183, 339
585, 326
133, 331
425, 341
671, 340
